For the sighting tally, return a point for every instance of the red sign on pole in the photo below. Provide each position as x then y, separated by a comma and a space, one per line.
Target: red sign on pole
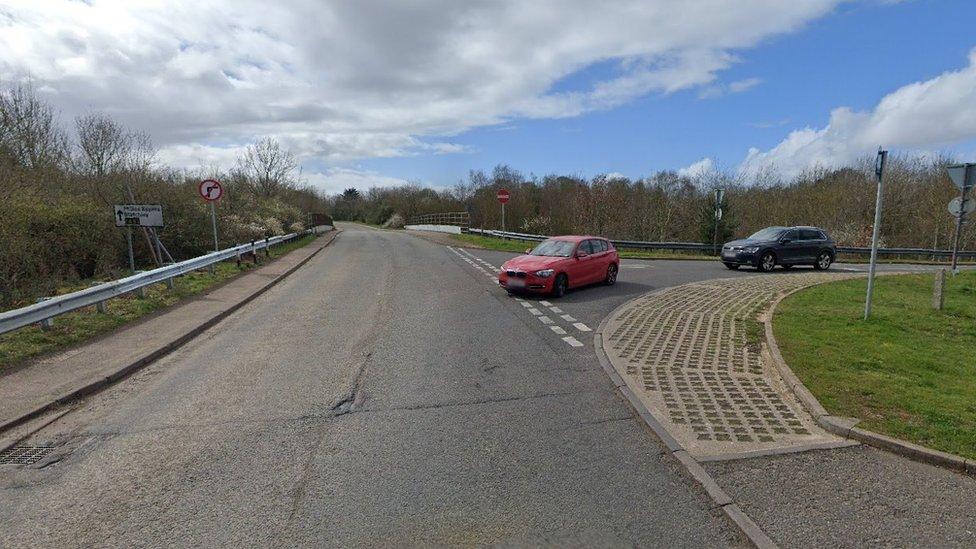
211, 190
503, 195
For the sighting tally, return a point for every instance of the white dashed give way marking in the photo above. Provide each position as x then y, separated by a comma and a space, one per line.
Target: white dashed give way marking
533, 307
573, 342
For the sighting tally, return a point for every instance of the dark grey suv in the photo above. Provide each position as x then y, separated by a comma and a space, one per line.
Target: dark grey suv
784, 246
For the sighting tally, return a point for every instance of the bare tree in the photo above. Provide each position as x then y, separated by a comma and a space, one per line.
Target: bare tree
29, 129
106, 147
268, 166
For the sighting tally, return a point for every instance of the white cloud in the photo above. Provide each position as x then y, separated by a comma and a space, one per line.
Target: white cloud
739, 86
336, 180
746, 84
341, 80
922, 115
703, 167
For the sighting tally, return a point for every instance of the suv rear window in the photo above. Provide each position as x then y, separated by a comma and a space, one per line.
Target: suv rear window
810, 234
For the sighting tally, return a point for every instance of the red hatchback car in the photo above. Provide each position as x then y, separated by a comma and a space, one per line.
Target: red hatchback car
561, 263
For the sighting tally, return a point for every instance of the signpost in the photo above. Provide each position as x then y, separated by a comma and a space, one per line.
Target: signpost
211, 191
719, 195
137, 215
879, 165
503, 196
964, 177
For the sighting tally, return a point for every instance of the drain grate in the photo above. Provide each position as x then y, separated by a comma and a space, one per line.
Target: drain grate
24, 455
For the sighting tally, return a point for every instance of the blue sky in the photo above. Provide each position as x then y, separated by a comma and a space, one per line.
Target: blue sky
853, 57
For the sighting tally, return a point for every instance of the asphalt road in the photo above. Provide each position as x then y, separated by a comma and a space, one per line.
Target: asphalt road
389, 393
384, 394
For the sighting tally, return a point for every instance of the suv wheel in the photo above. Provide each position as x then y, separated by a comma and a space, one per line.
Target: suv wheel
823, 261
560, 286
766, 262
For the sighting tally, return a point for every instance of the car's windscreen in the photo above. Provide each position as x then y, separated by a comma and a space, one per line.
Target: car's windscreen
769, 233
553, 248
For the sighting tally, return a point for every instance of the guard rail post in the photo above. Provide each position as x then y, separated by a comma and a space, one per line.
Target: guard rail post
47, 323
100, 306
267, 247
141, 290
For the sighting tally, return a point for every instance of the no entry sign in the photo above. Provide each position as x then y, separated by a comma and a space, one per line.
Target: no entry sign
211, 190
503, 195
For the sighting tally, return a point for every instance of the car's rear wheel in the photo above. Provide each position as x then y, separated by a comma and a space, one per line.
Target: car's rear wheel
732, 266
611, 275
823, 261
766, 262
560, 286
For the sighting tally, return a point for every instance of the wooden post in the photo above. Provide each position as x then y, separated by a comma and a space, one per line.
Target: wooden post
938, 290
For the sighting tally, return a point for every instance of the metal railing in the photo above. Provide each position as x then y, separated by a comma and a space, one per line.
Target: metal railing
47, 309
458, 219
708, 248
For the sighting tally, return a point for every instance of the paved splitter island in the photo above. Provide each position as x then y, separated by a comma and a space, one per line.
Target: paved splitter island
693, 355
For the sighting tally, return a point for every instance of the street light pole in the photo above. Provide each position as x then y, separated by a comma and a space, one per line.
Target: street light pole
879, 165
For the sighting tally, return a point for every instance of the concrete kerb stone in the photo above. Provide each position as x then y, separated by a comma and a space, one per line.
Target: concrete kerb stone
722, 500
845, 426
158, 353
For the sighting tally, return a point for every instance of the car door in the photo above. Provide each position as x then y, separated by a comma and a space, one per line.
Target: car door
811, 244
789, 249
582, 271
599, 259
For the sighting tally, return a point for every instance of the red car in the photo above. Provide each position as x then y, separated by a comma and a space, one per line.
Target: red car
561, 263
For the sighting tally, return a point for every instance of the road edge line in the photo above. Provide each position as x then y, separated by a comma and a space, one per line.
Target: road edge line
156, 354
733, 513
844, 426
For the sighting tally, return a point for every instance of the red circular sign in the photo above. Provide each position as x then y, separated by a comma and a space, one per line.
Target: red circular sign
503, 195
210, 190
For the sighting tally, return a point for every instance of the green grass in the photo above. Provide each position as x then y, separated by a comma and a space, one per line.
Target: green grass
909, 372
84, 324
519, 246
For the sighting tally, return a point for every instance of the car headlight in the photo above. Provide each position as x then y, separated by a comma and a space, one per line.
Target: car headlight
545, 273
750, 249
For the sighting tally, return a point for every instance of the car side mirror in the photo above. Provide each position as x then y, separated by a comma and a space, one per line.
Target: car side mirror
785, 241
528, 251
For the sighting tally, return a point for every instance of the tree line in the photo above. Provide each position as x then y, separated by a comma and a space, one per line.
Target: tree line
667, 206
58, 186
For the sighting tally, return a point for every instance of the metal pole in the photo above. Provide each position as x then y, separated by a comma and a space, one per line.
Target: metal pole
132, 257
959, 219
503, 217
213, 218
159, 245
879, 171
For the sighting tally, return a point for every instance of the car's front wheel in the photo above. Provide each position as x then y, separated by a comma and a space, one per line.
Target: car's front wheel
560, 285
611, 275
767, 261
823, 261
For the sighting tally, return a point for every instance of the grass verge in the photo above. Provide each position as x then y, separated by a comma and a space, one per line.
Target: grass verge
84, 324
519, 246
909, 372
